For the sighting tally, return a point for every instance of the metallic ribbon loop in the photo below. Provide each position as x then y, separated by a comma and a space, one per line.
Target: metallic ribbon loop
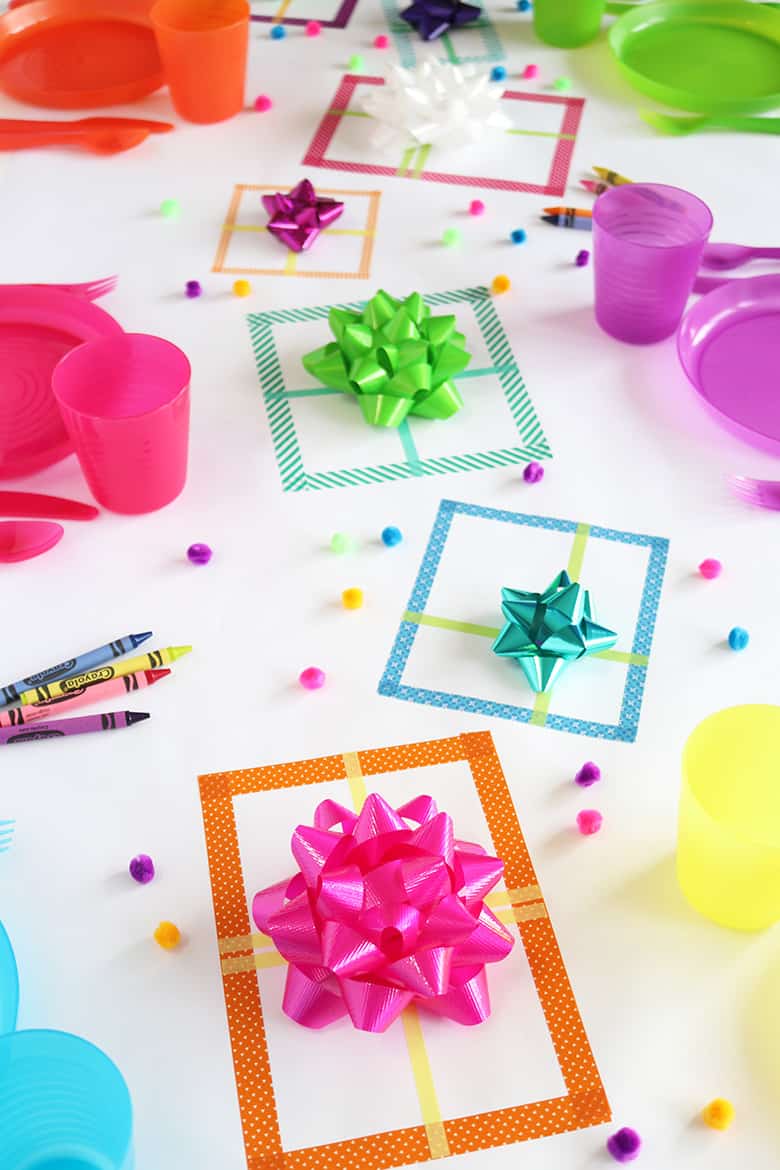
299, 217
381, 915
395, 357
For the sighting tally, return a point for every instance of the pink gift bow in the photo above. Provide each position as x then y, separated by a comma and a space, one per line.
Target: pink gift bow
381, 915
298, 218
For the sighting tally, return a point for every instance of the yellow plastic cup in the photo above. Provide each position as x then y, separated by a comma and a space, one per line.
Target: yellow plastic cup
728, 850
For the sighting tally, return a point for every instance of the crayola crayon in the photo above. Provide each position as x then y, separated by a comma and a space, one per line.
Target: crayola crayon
151, 661
13, 692
57, 728
124, 685
594, 187
582, 223
611, 177
585, 212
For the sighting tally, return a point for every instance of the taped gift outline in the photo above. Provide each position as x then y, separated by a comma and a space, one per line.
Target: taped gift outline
413, 160
290, 263
407, 40
340, 20
287, 448
538, 715
244, 952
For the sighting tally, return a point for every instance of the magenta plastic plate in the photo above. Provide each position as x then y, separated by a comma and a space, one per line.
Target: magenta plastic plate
38, 326
729, 346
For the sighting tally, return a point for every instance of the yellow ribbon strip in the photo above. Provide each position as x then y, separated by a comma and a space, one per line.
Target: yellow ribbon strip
422, 158
243, 942
577, 554
541, 707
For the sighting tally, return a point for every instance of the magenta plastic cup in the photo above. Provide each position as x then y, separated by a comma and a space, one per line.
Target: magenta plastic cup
647, 245
125, 401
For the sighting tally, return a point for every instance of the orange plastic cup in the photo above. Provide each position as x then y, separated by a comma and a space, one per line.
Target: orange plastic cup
203, 45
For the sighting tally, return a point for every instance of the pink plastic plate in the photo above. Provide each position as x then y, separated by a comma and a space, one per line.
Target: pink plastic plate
37, 327
729, 346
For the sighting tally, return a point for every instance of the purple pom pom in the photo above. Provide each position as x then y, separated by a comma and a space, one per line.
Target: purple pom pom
199, 554
193, 289
588, 774
533, 472
583, 257
624, 1145
142, 869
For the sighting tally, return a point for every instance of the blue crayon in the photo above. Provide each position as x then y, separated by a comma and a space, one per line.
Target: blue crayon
11, 693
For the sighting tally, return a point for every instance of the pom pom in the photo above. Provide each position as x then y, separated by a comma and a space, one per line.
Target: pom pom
624, 1145
167, 936
523, 5
278, 32
313, 28
170, 208
242, 288
450, 237
352, 598
588, 774
738, 638
381, 42
498, 73
583, 258
263, 103
530, 72
141, 869
533, 472
199, 554
589, 821
518, 236
710, 569
391, 536
340, 543
192, 288
562, 84
312, 678
476, 207
356, 63
719, 1114
501, 284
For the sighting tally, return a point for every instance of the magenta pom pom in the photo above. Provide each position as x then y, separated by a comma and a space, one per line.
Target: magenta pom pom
588, 774
624, 1145
313, 28
533, 472
710, 569
141, 869
530, 72
263, 103
312, 678
589, 821
476, 207
381, 42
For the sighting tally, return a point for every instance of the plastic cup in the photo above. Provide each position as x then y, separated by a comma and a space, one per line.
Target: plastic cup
9, 984
63, 1105
203, 45
648, 241
728, 852
568, 23
125, 401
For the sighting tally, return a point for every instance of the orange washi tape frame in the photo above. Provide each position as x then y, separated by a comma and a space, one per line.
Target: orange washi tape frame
585, 1101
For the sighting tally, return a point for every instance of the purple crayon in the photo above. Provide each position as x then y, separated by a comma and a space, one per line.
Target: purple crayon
56, 728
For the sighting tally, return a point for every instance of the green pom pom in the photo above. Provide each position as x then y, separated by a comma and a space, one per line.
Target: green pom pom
170, 208
450, 237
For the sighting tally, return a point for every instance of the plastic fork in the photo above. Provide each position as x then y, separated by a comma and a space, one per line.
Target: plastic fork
99, 141
726, 256
91, 290
761, 493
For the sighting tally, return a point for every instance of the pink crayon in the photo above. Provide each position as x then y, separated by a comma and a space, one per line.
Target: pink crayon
35, 712
58, 728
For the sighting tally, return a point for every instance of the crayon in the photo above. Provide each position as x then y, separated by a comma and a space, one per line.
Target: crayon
585, 212
151, 661
57, 728
594, 187
13, 692
611, 177
123, 685
582, 223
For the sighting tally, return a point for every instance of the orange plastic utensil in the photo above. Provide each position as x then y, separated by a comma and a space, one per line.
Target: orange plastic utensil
24, 125
78, 54
20, 540
96, 141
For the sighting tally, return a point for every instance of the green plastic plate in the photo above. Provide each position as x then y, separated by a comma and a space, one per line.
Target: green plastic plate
710, 56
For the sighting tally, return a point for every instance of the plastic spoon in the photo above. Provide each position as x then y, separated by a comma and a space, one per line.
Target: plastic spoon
20, 540
725, 256
29, 504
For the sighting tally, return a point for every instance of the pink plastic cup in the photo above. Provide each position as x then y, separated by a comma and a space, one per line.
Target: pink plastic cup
647, 245
125, 401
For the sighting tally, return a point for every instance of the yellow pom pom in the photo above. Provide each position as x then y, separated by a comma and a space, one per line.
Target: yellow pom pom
352, 598
167, 936
719, 1114
242, 288
501, 284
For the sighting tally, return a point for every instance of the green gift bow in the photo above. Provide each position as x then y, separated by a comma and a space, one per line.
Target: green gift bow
395, 358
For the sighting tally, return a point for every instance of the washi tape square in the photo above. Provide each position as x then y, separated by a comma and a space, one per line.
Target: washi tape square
321, 440
442, 653
533, 156
478, 41
329, 13
246, 247
426, 1088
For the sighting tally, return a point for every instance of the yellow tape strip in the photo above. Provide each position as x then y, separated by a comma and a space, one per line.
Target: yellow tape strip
422, 158
515, 914
541, 707
282, 10
577, 555
423, 1079
243, 942
290, 263
508, 897
232, 964
406, 161
623, 656
357, 785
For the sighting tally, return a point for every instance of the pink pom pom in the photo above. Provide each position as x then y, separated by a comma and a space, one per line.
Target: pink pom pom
312, 678
313, 28
710, 569
381, 42
476, 207
589, 821
530, 72
263, 103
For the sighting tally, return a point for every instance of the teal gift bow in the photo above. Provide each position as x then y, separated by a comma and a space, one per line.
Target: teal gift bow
395, 357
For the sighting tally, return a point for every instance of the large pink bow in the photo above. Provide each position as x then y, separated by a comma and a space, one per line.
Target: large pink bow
381, 915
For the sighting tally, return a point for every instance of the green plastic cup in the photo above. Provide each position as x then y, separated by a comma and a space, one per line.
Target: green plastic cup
567, 24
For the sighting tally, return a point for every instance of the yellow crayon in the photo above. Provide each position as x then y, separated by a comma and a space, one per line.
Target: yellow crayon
100, 674
611, 177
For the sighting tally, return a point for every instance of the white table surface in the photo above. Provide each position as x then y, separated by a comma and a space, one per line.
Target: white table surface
677, 1010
